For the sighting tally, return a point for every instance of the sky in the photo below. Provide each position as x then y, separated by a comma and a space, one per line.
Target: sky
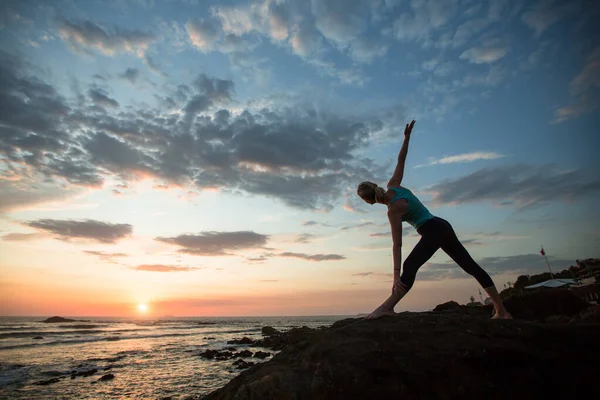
201, 158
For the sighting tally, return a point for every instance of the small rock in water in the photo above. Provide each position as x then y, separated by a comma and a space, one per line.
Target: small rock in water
244, 340
108, 367
241, 364
244, 353
261, 354
38, 337
208, 338
230, 348
47, 382
269, 331
106, 377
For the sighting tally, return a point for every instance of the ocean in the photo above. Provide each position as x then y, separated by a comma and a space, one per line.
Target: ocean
149, 359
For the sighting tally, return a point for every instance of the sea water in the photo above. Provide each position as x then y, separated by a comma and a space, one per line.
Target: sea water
150, 359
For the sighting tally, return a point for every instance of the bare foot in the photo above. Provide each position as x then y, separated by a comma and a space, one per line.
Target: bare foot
380, 313
504, 315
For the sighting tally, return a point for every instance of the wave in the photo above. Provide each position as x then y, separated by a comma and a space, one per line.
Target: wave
60, 333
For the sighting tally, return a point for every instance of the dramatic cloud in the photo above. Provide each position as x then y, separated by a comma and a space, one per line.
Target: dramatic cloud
464, 158
162, 268
131, 74
216, 243
99, 231
518, 185
517, 264
313, 257
87, 35
585, 88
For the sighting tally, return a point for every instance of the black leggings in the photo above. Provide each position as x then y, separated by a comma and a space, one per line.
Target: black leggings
436, 233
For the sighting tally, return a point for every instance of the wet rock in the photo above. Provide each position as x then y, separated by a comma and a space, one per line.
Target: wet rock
244, 340
84, 373
261, 354
290, 337
208, 338
244, 353
269, 331
38, 337
47, 382
106, 377
241, 364
217, 355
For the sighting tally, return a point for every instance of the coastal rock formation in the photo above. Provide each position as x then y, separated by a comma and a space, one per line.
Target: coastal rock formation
451, 354
55, 319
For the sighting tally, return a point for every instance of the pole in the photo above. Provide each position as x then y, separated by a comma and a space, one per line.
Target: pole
547, 262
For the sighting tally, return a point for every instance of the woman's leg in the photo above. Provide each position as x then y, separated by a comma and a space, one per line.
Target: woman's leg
420, 254
454, 248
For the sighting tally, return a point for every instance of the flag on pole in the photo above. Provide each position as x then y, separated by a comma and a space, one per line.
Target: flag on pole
542, 252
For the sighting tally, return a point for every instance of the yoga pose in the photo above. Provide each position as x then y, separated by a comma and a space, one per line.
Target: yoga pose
435, 233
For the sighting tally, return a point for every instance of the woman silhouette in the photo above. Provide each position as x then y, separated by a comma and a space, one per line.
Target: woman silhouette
435, 233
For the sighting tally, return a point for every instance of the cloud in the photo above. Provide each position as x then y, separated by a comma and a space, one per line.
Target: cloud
100, 97
105, 256
317, 223
468, 29
359, 225
464, 158
485, 54
518, 185
386, 234
20, 237
338, 20
216, 243
304, 238
548, 12
302, 154
517, 264
99, 231
85, 35
130, 74
313, 257
585, 88
425, 18
162, 268
204, 33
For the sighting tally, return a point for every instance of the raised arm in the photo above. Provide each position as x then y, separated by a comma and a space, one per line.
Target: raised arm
399, 171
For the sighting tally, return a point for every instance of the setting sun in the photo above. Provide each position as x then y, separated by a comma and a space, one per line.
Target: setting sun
143, 307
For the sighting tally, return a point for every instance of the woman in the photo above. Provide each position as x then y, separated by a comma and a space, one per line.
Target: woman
435, 233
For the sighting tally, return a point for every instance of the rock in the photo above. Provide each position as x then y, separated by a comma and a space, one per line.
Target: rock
217, 355
292, 336
61, 319
38, 337
106, 377
269, 331
428, 356
448, 306
244, 353
261, 354
244, 340
84, 373
241, 364
208, 338
231, 348
108, 368
47, 382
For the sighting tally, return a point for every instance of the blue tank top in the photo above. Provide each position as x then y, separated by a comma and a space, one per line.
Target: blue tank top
417, 213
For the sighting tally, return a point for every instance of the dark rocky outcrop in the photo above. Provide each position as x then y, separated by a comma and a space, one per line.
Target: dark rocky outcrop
269, 331
107, 377
262, 354
244, 340
452, 353
241, 364
61, 319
